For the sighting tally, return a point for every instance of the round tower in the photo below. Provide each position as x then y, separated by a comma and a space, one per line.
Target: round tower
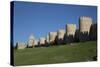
70, 29
31, 41
70, 33
85, 24
52, 37
61, 33
42, 41
60, 36
35, 42
84, 28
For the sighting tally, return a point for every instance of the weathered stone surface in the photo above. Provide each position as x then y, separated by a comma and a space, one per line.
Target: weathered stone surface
85, 24
61, 33
70, 33
35, 42
52, 37
42, 41
70, 29
84, 28
20, 45
60, 36
31, 41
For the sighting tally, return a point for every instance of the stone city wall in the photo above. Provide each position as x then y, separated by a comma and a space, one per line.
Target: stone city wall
20, 45
87, 31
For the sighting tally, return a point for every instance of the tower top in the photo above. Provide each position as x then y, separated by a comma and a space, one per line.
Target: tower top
85, 18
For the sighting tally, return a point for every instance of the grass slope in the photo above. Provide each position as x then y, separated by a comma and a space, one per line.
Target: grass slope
77, 52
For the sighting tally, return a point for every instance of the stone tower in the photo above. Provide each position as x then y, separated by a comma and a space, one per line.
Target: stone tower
70, 29
84, 28
52, 37
60, 36
42, 41
36, 42
70, 33
85, 24
31, 41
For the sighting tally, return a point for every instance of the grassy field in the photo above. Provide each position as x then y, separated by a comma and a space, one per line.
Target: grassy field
76, 52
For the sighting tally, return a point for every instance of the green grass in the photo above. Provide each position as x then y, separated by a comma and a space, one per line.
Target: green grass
77, 52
